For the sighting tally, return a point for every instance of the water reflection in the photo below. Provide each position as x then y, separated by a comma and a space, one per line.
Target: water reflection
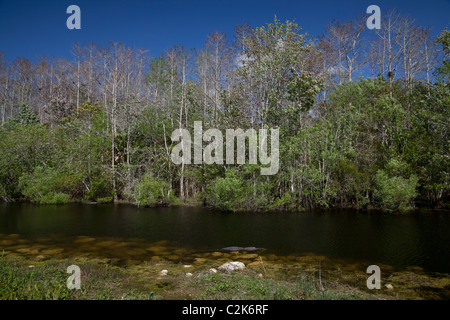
124, 232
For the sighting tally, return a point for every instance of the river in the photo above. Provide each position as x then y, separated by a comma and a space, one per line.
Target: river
419, 239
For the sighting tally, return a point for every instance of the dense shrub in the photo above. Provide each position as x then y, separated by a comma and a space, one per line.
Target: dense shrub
43, 186
395, 192
101, 190
151, 191
228, 193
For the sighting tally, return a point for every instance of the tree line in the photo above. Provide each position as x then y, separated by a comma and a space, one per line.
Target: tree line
362, 118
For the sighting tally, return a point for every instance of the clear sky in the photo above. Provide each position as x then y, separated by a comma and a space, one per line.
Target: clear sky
38, 28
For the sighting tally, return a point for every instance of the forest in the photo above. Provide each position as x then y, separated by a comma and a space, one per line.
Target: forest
363, 119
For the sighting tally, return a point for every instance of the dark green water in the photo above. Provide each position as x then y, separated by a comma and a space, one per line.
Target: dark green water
419, 239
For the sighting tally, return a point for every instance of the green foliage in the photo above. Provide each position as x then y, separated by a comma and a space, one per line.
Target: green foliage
86, 112
246, 286
26, 115
151, 191
228, 193
101, 189
394, 191
302, 90
443, 70
365, 143
48, 281
43, 186
21, 148
286, 201
18, 284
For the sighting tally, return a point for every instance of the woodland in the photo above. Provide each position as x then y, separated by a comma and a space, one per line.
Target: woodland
363, 119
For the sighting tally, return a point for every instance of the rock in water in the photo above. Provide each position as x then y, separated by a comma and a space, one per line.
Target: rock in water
230, 249
232, 266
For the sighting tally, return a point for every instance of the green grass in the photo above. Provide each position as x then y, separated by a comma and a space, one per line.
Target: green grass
19, 283
48, 281
248, 286
101, 279
32, 280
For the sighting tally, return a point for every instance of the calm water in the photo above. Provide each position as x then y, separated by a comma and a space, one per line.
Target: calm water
420, 239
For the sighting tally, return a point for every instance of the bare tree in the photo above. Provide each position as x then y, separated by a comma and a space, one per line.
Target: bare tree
183, 58
344, 46
327, 58
5, 86
386, 52
219, 51
412, 40
202, 64
113, 58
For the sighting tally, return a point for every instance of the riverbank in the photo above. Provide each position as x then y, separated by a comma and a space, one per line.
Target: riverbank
103, 279
192, 202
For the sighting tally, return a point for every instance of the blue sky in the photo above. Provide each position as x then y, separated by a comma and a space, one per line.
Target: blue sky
38, 28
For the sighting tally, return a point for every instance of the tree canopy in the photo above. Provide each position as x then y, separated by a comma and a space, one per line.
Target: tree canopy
363, 119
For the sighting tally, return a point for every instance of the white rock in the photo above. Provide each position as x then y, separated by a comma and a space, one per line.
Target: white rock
163, 272
212, 270
188, 274
232, 266
187, 265
389, 286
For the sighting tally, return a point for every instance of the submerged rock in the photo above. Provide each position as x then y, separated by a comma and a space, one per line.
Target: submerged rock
199, 261
217, 254
156, 258
231, 249
231, 266
249, 256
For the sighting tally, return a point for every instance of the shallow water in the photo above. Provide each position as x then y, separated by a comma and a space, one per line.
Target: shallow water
419, 240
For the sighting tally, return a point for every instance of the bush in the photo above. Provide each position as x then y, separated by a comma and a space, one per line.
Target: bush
54, 198
394, 192
21, 148
101, 190
26, 115
151, 191
228, 193
43, 186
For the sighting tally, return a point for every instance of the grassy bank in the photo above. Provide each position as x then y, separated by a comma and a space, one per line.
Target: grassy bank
101, 279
